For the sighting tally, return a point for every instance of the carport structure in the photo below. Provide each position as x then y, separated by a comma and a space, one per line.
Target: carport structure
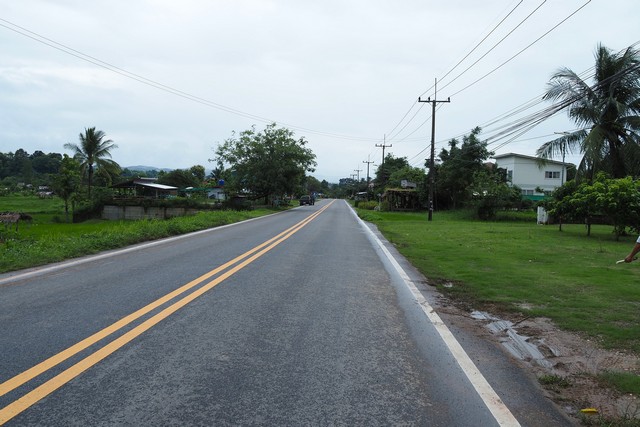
146, 188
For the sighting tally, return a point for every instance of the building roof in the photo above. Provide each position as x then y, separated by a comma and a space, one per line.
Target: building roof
143, 182
537, 159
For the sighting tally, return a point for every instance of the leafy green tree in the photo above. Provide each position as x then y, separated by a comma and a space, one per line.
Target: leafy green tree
557, 205
312, 185
267, 163
387, 168
94, 152
182, 178
457, 168
489, 193
198, 172
620, 203
67, 181
45, 163
5, 162
409, 173
607, 112
616, 201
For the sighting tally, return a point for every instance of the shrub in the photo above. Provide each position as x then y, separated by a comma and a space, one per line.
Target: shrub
370, 205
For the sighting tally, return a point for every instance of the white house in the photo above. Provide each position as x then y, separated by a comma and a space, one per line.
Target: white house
527, 173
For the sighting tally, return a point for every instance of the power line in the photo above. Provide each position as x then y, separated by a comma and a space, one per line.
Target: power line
413, 104
510, 132
479, 43
157, 85
504, 63
497, 44
522, 50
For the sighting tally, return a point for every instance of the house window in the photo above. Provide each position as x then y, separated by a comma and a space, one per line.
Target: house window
527, 192
552, 174
510, 176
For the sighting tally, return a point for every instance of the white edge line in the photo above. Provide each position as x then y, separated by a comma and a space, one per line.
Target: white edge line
496, 406
66, 264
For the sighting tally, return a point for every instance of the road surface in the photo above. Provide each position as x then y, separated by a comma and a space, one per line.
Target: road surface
304, 317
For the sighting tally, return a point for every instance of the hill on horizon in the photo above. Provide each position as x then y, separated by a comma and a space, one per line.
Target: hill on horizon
146, 168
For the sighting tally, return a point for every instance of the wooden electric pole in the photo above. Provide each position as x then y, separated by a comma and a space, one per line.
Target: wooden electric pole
433, 146
384, 145
368, 162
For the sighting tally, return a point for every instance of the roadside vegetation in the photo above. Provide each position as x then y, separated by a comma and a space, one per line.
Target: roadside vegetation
520, 266
515, 266
49, 239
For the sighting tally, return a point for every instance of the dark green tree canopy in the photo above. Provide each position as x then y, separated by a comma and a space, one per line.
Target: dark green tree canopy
390, 165
266, 163
183, 178
607, 114
67, 182
458, 166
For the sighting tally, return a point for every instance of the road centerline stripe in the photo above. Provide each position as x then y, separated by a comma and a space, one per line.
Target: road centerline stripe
37, 394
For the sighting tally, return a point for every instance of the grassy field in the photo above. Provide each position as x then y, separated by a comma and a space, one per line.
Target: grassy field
48, 239
520, 266
514, 265
536, 270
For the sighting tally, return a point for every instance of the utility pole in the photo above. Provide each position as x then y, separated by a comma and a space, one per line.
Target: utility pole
384, 145
368, 162
357, 171
433, 145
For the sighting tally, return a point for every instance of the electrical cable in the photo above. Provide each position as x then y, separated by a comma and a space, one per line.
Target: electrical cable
521, 51
479, 43
141, 79
497, 44
413, 104
514, 56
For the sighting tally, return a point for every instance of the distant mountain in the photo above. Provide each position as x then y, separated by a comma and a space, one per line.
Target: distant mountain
146, 168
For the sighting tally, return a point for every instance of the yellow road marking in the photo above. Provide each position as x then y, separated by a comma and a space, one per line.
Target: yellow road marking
21, 404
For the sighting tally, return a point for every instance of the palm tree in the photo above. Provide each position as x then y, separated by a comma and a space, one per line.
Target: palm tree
607, 114
93, 150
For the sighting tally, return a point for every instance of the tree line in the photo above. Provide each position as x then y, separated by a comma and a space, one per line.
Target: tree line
270, 164
602, 188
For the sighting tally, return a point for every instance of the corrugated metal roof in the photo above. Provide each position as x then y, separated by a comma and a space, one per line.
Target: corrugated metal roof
158, 186
143, 183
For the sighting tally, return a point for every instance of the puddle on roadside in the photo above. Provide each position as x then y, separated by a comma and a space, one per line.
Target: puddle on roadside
518, 345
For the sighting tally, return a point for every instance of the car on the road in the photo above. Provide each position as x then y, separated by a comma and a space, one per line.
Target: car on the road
306, 200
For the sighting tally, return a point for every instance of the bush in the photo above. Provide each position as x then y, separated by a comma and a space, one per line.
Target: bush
370, 205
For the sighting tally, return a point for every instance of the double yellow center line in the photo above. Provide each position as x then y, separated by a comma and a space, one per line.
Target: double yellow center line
228, 269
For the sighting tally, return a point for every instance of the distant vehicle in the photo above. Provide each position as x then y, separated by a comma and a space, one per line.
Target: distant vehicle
307, 200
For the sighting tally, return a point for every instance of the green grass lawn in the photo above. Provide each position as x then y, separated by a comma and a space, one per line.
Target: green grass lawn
48, 240
520, 266
514, 265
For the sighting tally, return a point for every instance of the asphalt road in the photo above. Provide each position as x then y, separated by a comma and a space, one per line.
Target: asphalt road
299, 318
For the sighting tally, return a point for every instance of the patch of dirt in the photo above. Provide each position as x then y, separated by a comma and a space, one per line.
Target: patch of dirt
569, 362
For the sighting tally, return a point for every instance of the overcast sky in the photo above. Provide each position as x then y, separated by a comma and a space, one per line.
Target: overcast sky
168, 80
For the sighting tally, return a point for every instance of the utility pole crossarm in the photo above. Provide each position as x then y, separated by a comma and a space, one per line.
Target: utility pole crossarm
383, 145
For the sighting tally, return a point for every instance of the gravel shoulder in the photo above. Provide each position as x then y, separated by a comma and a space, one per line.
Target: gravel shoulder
547, 351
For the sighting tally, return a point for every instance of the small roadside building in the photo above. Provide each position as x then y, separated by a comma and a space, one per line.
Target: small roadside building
144, 188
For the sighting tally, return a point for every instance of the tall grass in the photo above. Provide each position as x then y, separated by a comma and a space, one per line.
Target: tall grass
520, 266
44, 242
